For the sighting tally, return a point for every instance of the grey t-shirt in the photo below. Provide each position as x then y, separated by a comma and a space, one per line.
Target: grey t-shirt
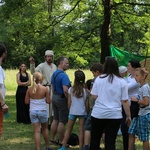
144, 91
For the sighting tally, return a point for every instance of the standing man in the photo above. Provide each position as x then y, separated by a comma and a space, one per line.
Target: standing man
60, 85
47, 68
3, 106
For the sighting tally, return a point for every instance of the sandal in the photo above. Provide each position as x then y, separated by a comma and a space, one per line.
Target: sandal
56, 142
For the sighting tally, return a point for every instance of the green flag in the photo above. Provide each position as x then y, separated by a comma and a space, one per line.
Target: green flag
123, 57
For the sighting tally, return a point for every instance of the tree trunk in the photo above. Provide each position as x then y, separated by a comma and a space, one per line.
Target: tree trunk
106, 31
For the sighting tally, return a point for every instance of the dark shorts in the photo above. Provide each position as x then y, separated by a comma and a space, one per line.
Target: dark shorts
60, 108
87, 125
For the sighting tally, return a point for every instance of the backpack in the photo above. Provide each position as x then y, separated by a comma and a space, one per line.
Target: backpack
73, 140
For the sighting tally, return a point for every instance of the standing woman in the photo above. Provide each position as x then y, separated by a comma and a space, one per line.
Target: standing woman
23, 80
111, 92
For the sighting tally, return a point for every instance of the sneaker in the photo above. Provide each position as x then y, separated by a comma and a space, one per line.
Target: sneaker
62, 148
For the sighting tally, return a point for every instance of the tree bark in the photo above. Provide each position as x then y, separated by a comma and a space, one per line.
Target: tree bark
106, 31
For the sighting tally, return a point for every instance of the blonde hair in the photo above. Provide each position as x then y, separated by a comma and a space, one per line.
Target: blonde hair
37, 79
143, 71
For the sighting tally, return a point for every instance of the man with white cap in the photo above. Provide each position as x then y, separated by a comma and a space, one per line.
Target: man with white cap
123, 71
46, 68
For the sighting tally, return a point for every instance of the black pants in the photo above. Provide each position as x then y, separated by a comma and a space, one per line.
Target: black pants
110, 127
124, 130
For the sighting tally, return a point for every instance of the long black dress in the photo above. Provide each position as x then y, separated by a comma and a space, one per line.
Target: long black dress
22, 108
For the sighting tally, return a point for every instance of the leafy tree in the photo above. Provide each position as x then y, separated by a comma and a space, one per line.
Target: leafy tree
80, 29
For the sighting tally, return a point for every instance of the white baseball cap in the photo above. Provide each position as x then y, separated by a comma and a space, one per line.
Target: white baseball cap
49, 52
122, 69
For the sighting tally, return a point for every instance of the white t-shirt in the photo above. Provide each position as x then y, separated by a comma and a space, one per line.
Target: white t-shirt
108, 103
133, 87
2, 85
78, 105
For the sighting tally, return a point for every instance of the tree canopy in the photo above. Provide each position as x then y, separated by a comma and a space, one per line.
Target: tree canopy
82, 30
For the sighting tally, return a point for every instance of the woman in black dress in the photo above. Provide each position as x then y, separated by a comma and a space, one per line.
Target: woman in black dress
23, 80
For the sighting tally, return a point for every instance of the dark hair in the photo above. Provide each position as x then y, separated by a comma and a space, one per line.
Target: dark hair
89, 84
60, 59
134, 63
20, 66
110, 68
79, 84
97, 67
2, 49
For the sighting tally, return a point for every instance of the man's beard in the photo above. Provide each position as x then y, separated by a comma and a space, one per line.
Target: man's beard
49, 61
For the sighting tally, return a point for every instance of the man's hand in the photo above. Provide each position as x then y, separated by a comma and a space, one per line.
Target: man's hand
31, 59
128, 121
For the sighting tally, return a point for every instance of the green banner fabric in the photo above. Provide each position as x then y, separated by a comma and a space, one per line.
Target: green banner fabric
123, 57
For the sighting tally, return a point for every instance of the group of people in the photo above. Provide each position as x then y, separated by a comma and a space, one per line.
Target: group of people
120, 98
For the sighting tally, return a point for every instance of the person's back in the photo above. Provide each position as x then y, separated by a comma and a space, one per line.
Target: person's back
78, 104
38, 96
47, 68
97, 70
110, 92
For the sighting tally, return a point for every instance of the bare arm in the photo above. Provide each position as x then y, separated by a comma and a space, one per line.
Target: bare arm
2, 102
65, 89
27, 98
144, 101
48, 99
29, 81
126, 108
32, 65
69, 101
87, 104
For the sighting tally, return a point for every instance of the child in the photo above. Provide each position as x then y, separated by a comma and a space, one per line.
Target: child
97, 70
78, 106
140, 124
37, 96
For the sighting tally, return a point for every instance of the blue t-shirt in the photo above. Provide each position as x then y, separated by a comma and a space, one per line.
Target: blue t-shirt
59, 78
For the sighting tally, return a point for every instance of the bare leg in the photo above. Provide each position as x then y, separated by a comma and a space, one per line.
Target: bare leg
60, 131
145, 145
68, 132
54, 129
87, 137
81, 132
45, 133
36, 127
103, 138
131, 142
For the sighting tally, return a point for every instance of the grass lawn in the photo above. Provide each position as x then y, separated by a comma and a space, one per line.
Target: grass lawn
19, 136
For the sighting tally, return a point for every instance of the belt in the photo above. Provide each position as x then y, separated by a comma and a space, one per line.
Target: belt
142, 106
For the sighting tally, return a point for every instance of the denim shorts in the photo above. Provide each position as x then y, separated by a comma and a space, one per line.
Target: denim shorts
74, 117
37, 116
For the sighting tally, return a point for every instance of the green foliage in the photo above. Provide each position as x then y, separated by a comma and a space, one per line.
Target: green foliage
71, 28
